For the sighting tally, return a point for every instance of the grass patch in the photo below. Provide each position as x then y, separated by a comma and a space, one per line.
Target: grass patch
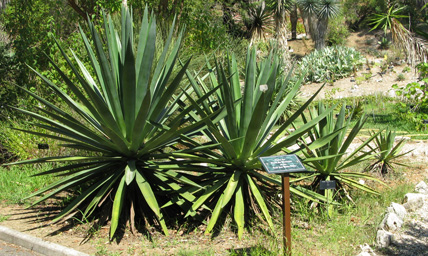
382, 112
16, 182
350, 226
4, 217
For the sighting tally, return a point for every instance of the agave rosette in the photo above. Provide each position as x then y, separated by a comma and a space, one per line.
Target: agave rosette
122, 109
242, 128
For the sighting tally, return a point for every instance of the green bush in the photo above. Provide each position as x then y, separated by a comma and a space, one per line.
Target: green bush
386, 152
331, 161
23, 145
331, 63
415, 94
337, 31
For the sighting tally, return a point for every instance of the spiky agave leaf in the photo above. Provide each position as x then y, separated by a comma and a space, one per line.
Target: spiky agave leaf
124, 109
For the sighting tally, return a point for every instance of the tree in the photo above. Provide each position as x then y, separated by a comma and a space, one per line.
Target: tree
29, 25
359, 11
318, 13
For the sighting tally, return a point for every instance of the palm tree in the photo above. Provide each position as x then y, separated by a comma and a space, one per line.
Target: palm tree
318, 13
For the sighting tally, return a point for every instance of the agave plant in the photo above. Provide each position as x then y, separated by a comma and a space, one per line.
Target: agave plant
331, 161
242, 128
386, 152
121, 113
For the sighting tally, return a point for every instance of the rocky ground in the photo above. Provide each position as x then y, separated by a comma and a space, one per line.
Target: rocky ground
404, 229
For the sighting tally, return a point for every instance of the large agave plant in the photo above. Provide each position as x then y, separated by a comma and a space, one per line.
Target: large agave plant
242, 128
121, 112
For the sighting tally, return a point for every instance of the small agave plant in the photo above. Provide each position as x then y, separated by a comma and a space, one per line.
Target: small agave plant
332, 161
386, 152
121, 114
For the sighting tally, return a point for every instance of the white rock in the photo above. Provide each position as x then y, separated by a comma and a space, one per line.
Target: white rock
392, 93
422, 188
383, 238
413, 201
366, 250
300, 36
398, 209
402, 138
391, 222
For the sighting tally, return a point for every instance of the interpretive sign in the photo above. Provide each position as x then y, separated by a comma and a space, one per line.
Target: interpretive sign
282, 164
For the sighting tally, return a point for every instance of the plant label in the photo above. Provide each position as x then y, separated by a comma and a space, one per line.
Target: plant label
327, 184
282, 164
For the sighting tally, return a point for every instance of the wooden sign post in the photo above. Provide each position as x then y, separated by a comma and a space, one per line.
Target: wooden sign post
284, 165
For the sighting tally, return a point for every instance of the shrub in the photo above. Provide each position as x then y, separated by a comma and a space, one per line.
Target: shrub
331, 63
331, 161
386, 153
401, 77
417, 98
337, 32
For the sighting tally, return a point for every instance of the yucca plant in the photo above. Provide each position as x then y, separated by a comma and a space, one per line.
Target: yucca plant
121, 113
243, 128
386, 152
258, 21
331, 161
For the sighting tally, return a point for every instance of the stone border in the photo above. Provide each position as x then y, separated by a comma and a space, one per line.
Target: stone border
36, 244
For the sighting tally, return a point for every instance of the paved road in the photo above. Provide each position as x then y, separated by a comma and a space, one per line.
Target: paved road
7, 249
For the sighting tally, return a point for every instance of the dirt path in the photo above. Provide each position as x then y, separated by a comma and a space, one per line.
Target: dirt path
353, 86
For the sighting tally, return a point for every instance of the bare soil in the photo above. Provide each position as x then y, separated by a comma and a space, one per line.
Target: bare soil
36, 221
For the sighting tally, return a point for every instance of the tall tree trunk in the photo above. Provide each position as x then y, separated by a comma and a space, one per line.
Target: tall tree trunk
320, 33
293, 20
307, 23
279, 18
